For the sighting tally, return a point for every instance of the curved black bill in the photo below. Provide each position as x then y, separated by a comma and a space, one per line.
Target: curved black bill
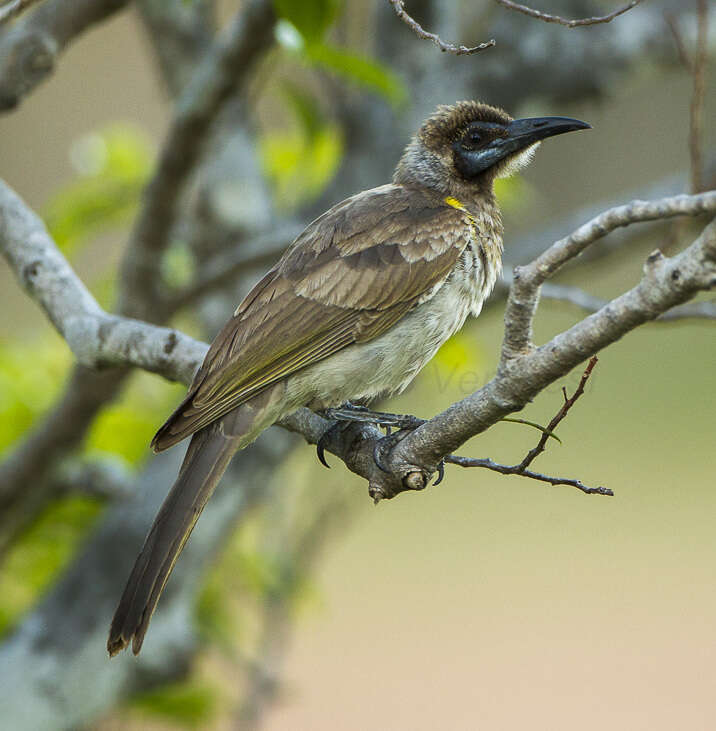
534, 129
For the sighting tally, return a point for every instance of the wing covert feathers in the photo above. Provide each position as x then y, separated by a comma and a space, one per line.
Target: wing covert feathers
351, 275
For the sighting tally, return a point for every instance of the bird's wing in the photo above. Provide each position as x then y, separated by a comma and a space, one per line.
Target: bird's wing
351, 275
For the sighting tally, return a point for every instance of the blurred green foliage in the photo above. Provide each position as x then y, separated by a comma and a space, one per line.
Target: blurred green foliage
358, 70
41, 552
311, 18
188, 704
126, 427
31, 375
300, 162
113, 165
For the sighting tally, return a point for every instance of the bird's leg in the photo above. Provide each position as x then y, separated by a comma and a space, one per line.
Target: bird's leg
348, 413
353, 412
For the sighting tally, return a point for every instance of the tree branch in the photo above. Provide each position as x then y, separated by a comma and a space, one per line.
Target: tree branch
14, 7
399, 8
547, 18
224, 268
225, 67
530, 474
698, 95
589, 303
97, 338
525, 289
524, 371
180, 34
29, 50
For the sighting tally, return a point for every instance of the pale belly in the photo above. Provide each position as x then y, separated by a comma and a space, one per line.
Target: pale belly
389, 363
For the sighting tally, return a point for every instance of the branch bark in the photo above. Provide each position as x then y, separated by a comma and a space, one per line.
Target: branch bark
459, 50
30, 49
524, 369
575, 23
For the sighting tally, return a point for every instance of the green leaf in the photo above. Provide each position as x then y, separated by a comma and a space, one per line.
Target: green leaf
534, 425
298, 167
311, 18
359, 70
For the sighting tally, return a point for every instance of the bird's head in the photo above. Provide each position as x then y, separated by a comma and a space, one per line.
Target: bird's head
469, 144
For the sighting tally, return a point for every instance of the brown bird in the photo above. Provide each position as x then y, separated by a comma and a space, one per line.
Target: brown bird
357, 305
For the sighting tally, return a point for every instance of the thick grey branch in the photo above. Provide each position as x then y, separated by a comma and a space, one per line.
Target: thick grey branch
95, 337
521, 376
29, 50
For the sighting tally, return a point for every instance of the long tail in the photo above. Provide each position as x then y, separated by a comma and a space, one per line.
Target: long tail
207, 458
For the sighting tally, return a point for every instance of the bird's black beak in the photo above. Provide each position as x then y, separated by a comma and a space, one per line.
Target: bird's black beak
518, 135
522, 133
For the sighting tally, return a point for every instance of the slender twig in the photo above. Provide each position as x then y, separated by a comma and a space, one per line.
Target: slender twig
13, 8
698, 94
512, 470
673, 25
589, 303
564, 410
399, 8
521, 468
576, 23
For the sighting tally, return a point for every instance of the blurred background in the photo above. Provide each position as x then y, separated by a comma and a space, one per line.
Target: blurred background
487, 602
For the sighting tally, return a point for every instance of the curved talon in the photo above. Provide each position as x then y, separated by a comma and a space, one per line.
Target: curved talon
441, 472
321, 454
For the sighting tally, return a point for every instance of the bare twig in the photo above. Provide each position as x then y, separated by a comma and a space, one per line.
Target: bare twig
698, 94
512, 470
564, 410
521, 468
399, 8
673, 25
14, 7
576, 23
590, 303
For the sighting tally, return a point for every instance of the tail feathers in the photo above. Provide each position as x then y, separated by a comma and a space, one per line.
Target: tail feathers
207, 458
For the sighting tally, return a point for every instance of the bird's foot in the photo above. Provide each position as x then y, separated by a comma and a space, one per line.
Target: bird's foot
349, 413
353, 412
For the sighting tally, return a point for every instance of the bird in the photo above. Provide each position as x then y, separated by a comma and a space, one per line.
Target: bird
360, 301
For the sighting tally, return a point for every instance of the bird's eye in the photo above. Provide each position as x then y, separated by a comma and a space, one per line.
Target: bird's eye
471, 139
